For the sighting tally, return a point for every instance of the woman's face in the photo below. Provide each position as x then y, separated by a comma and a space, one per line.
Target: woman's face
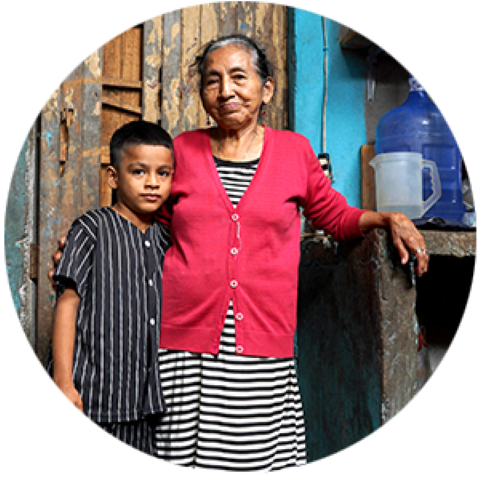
232, 92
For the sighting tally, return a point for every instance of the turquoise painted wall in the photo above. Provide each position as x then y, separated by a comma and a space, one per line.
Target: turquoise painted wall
15, 230
20, 234
343, 395
345, 119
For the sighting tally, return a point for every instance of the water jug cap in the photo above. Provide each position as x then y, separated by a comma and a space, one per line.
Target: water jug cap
414, 85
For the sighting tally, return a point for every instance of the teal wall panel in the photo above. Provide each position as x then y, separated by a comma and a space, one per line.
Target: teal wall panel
345, 119
14, 229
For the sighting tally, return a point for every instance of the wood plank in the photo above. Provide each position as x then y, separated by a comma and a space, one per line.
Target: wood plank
110, 118
209, 30
264, 32
152, 60
227, 17
367, 152
132, 54
121, 94
245, 18
112, 55
190, 45
171, 73
278, 58
91, 139
120, 105
122, 83
31, 185
69, 202
48, 233
131, 63
209, 24
111, 68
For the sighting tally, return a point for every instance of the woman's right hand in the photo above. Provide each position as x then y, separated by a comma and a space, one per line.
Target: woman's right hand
56, 259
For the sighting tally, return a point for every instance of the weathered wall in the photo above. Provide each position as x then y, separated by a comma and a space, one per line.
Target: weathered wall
144, 72
20, 234
357, 339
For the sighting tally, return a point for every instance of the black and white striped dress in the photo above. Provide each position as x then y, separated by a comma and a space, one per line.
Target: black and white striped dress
228, 411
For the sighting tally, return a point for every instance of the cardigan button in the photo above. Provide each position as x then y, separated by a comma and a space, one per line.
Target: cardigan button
239, 316
235, 217
234, 284
239, 349
234, 251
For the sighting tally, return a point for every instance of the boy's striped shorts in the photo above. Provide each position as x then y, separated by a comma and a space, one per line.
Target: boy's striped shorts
138, 434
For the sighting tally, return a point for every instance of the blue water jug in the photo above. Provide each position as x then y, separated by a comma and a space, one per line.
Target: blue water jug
418, 126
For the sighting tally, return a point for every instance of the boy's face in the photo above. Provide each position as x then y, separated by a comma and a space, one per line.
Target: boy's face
143, 179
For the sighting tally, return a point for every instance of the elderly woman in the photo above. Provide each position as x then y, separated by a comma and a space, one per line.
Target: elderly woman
230, 277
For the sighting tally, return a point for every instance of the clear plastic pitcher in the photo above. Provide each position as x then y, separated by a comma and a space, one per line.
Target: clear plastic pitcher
398, 183
417, 125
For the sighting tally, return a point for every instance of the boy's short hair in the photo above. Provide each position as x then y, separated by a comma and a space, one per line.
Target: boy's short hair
138, 132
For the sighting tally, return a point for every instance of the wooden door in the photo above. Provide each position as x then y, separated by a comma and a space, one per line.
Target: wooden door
143, 73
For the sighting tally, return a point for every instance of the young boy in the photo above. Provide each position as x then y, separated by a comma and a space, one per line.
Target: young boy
107, 318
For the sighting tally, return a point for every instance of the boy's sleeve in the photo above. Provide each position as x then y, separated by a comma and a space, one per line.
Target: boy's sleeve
165, 239
76, 262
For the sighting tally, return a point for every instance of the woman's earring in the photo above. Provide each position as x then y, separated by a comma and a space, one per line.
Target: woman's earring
209, 121
263, 113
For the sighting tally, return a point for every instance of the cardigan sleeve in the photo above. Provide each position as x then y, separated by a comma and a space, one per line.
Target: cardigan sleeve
164, 214
327, 208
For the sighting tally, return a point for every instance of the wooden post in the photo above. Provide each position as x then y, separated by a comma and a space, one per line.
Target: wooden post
48, 232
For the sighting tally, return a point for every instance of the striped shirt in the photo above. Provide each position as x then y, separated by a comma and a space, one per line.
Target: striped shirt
235, 177
117, 273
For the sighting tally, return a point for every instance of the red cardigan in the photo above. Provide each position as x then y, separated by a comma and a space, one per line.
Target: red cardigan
249, 254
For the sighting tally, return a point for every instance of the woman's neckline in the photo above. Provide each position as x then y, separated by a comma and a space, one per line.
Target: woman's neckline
261, 128
244, 163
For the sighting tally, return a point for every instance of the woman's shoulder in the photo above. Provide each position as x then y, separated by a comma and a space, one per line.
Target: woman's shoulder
286, 134
288, 137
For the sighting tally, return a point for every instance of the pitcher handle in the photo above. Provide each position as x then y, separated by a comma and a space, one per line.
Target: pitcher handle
435, 182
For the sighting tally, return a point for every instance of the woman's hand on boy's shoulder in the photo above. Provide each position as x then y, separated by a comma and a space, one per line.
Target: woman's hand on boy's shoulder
56, 260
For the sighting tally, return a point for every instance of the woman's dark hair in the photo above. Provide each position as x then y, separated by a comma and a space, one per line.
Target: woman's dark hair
136, 133
260, 62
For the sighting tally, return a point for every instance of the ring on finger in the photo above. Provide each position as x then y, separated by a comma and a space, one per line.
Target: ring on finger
421, 250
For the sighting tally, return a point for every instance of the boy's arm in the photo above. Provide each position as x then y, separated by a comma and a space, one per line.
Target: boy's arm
63, 344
